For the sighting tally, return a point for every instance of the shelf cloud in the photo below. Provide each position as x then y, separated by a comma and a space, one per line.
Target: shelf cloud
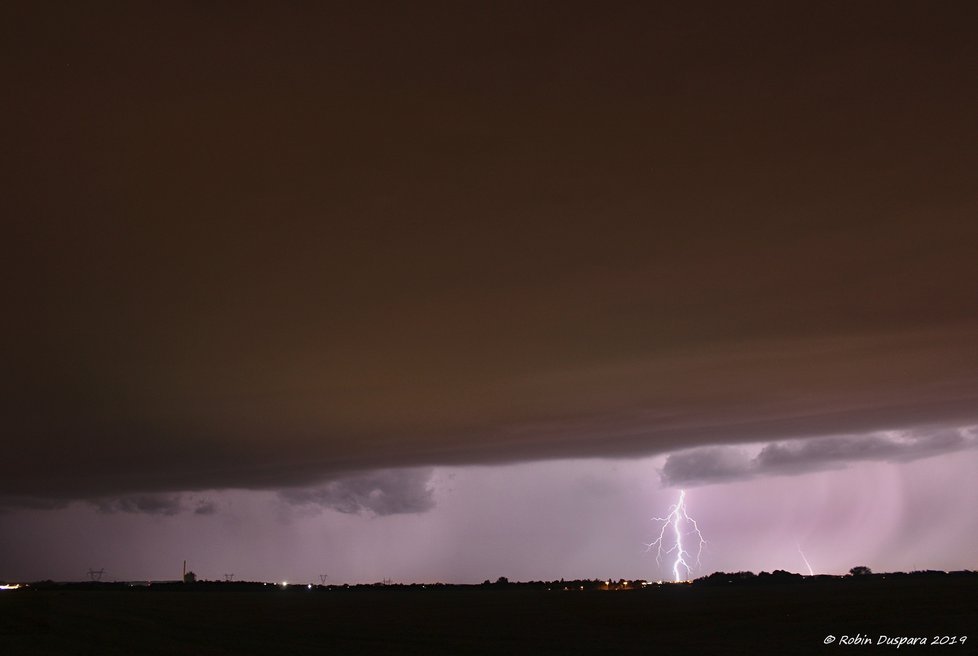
480, 240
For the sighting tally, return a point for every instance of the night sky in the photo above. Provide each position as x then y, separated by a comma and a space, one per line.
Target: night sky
452, 291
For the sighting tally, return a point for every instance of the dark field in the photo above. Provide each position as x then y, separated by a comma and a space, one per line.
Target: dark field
680, 619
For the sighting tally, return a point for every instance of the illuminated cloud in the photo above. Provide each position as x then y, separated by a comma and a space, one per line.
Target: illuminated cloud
717, 464
150, 504
155, 504
383, 492
205, 507
710, 464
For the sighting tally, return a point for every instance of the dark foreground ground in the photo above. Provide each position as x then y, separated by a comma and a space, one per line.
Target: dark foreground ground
672, 619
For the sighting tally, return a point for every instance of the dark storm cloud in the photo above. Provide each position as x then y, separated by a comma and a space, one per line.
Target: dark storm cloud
710, 464
719, 464
150, 504
155, 504
789, 456
204, 507
12, 502
262, 247
389, 492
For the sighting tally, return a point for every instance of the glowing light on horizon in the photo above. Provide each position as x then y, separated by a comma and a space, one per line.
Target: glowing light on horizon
682, 526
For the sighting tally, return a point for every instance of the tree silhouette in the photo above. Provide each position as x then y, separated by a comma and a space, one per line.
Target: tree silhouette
860, 570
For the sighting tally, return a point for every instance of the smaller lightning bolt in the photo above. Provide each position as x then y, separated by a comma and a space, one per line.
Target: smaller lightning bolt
678, 519
807, 564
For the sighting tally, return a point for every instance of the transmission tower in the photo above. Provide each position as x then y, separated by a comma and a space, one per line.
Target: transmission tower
322, 578
229, 577
96, 574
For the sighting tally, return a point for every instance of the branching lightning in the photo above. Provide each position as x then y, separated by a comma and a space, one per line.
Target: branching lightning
682, 526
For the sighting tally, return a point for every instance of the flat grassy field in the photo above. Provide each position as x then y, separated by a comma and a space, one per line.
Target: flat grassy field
670, 619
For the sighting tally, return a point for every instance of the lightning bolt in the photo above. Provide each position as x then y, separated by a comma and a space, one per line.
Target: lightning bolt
807, 564
682, 526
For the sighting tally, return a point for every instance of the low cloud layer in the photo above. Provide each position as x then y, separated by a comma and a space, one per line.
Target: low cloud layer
155, 504
384, 492
150, 504
717, 464
491, 238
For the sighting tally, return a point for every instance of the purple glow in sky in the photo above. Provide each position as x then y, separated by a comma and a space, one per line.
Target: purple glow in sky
532, 521
455, 291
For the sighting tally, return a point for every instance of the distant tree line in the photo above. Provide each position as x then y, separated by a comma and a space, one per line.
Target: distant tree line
860, 572
857, 574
